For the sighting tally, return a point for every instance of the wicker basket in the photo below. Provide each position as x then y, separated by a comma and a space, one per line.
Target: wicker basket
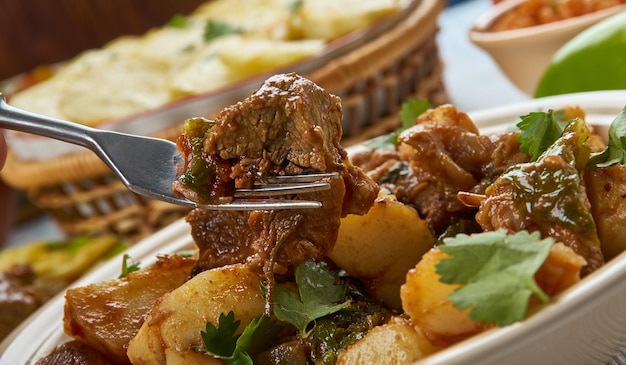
83, 196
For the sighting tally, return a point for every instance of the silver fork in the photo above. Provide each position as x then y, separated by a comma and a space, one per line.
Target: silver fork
147, 166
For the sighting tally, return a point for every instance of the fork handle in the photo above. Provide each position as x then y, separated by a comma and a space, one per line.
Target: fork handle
24, 121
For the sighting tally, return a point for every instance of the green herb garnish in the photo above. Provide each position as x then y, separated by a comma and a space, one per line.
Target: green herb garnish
215, 29
318, 295
615, 151
295, 6
126, 268
198, 174
186, 253
222, 342
496, 271
539, 131
395, 172
178, 21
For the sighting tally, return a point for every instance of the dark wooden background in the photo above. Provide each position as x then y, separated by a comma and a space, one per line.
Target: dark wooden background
35, 32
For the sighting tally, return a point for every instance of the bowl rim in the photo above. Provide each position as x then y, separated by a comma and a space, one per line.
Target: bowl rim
479, 29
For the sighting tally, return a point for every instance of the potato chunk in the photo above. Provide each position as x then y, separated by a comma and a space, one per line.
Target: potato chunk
174, 324
107, 315
396, 342
560, 271
606, 189
381, 246
425, 300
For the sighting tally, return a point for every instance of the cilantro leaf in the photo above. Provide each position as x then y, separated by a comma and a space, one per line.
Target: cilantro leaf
396, 171
214, 29
295, 6
539, 131
615, 151
127, 269
257, 335
318, 296
222, 342
496, 271
178, 21
409, 112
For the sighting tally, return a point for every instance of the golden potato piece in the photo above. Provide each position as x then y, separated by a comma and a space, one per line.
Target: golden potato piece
248, 56
425, 300
107, 315
43, 97
130, 85
396, 342
381, 246
560, 271
174, 324
202, 71
189, 357
606, 189
58, 262
260, 18
330, 19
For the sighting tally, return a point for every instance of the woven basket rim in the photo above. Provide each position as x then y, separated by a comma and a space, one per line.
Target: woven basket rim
338, 75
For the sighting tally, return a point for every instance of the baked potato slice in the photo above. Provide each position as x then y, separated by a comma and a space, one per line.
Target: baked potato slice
378, 248
107, 315
173, 325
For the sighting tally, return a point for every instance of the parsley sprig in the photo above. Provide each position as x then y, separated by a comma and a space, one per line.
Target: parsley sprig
496, 271
615, 152
178, 21
215, 29
126, 268
318, 295
541, 129
222, 342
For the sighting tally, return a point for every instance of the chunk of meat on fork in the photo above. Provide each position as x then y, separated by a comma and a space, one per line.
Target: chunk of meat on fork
288, 126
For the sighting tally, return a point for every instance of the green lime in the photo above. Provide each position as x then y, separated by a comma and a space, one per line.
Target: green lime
593, 60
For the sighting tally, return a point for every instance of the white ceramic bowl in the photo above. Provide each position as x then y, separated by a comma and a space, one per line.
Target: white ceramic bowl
524, 54
586, 324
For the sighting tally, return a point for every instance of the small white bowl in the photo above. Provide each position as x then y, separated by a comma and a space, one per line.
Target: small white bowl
524, 54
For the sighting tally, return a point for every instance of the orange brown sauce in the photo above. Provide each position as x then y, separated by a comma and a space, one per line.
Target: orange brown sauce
537, 12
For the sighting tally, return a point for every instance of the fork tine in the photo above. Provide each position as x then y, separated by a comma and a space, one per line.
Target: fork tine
288, 184
283, 185
263, 204
300, 178
282, 189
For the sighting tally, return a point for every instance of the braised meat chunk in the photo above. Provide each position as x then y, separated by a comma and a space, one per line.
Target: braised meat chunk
74, 353
288, 126
549, 196
223, 237
107, 315
20, 296
441, 155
